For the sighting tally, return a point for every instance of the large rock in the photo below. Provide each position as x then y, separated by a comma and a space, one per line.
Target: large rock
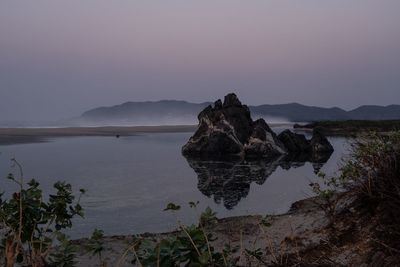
263, 142
222, 130
294, 142
317, 150
320, 144
227, 130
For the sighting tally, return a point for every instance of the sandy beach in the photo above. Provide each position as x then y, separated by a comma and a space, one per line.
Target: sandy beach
32, 135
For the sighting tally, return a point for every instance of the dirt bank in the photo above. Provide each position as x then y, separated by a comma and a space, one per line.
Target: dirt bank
303, 235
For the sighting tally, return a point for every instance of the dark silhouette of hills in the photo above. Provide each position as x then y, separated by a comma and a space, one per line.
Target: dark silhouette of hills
157, 108
298, 112
370, 112
143, 113
182, 112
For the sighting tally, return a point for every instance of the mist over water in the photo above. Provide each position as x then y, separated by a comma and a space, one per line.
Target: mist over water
139, 121
142, 121
164, 121
272, 120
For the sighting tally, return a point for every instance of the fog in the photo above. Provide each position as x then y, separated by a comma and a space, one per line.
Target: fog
152, 121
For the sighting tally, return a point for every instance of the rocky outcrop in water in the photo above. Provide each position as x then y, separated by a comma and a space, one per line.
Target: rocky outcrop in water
293, 142
297, 143
227, 130
320, 144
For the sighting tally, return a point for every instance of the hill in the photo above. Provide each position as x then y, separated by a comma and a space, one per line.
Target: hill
182, 112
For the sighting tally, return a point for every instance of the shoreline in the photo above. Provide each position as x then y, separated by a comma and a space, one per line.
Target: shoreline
303, 230
350, 128
10, 136
17, 135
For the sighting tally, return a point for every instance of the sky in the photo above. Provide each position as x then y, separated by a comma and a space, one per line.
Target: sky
60, 58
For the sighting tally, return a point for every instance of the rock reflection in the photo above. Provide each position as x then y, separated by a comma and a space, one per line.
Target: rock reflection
229, 181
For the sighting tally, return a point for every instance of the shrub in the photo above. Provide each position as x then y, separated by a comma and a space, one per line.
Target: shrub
31, 224
372, 175
191, 246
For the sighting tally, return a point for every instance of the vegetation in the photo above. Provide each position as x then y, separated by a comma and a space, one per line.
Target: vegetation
96, 247
65, 254
191, 246
352, 127
372, 175
30, 224
370, 178
328, 196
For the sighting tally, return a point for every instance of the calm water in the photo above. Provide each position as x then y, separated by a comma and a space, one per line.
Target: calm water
130, 180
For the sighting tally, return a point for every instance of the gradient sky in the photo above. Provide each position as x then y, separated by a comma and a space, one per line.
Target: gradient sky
60, 58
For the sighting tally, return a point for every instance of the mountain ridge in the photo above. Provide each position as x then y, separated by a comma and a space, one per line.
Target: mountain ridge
136, 111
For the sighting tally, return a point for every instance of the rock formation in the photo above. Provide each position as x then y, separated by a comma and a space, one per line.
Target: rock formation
297, 143
293, 142
227, 130
320, 144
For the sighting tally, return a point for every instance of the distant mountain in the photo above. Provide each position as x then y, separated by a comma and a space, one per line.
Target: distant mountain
182, 112
145, 113
391, 112
297, 112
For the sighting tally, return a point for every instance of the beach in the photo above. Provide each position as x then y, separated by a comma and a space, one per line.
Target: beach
32, 135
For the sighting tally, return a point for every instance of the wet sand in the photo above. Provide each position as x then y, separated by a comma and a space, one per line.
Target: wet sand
32, 135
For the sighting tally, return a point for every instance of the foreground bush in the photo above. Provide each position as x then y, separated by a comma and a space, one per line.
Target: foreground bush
372, 175
31, 222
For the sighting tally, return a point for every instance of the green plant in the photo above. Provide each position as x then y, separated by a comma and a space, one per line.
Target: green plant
372, 176
190, 246
208, 217
96, 246
31, 224
65, 254
327, 194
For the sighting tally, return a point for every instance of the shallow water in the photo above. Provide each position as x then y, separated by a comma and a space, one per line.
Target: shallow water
130, 180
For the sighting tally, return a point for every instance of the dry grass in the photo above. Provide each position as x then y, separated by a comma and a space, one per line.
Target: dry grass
372, 175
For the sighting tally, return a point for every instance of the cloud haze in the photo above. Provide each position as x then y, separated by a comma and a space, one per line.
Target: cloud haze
58, 59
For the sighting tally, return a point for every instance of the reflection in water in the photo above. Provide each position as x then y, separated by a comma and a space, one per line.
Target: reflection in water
229, 181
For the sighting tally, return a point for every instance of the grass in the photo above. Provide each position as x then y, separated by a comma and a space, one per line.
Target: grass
372, 175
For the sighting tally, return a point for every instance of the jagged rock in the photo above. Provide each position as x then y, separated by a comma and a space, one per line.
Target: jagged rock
222, 130
320, 144
293, 142
317, 150
263, 142
227, 130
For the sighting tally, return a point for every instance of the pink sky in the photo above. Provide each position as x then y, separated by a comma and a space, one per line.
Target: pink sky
59, 58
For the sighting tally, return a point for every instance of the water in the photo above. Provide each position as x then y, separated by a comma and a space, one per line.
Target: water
130, 180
